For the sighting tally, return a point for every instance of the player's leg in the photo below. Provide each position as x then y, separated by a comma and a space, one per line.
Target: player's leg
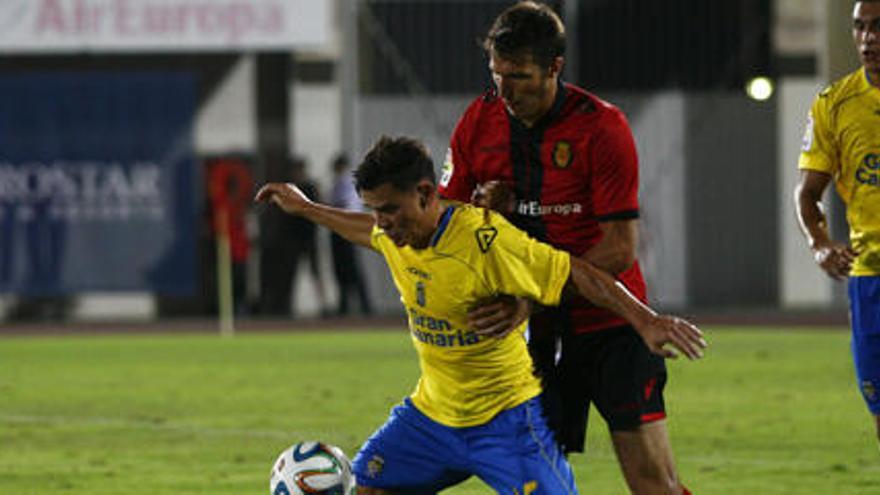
545, 328
410, 455
645, 457
516, 453
579, 378
864, 301
629, 395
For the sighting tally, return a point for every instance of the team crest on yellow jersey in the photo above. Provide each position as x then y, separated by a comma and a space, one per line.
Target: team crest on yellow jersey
485, 237
562, 154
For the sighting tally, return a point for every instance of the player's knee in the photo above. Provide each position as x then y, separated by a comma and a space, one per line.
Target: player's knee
656, 479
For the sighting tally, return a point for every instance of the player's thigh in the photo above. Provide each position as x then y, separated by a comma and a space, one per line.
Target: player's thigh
864, 296
629, 382
517, 453
577, 381
411, 454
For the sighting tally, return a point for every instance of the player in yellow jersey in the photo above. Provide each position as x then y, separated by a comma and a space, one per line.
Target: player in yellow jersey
475, 409
842, 143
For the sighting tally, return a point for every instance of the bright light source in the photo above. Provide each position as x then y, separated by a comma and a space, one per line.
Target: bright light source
760, 88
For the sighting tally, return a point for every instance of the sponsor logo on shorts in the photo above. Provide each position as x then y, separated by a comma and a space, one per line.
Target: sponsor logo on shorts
375, 466
528, 488
649, 387
869, 390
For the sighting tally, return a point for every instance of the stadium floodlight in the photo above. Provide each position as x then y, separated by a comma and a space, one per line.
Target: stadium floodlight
760, 88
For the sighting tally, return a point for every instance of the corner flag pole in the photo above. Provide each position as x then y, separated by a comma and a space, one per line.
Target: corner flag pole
224, 274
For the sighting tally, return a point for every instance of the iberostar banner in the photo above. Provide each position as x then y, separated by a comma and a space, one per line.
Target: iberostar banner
96, 182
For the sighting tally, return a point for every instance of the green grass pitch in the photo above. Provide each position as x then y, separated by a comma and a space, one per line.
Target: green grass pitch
767, 411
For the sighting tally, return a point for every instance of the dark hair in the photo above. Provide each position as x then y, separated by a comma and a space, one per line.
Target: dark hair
527, 28
399, 161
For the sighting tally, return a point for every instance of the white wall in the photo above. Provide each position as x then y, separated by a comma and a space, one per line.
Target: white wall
802, 283
658, 124
227, 120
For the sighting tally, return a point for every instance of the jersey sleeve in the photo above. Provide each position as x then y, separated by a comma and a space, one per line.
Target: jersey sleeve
817, 150
456, 179
614, 180
519, 265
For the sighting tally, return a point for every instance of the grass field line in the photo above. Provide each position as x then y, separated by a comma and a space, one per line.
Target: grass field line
146, 424
723, 461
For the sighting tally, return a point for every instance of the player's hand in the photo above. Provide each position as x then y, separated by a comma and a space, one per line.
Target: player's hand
500, 316
663, 330
495, 195
286, 196
835, 258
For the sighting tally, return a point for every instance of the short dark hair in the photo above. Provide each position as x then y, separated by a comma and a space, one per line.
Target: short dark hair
527, 28
399, 161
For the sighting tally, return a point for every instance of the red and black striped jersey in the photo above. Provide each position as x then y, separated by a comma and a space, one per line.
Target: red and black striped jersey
575, 168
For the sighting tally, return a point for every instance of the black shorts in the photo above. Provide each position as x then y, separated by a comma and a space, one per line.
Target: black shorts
613, 369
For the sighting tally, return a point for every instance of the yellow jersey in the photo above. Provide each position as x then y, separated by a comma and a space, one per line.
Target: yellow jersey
843, 139
465, 379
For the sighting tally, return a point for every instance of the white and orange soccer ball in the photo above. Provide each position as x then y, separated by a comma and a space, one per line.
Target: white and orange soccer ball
309, 468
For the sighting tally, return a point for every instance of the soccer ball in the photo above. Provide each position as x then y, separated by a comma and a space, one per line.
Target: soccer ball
309, 468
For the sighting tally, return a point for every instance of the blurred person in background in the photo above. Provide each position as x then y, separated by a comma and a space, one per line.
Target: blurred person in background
346, 265
294, 240
842, 143
476, 409
561, 164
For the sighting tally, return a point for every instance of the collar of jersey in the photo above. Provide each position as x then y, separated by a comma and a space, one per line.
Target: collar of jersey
444, 222
867, 79
551, 114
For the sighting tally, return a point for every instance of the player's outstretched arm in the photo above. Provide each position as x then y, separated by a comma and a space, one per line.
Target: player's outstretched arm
656, 330
833, 257
355, 226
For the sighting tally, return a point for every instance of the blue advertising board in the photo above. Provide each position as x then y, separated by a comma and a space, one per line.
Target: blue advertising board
97, 188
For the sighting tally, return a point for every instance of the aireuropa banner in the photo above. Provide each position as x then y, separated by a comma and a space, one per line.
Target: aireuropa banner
53, 26
97, 182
